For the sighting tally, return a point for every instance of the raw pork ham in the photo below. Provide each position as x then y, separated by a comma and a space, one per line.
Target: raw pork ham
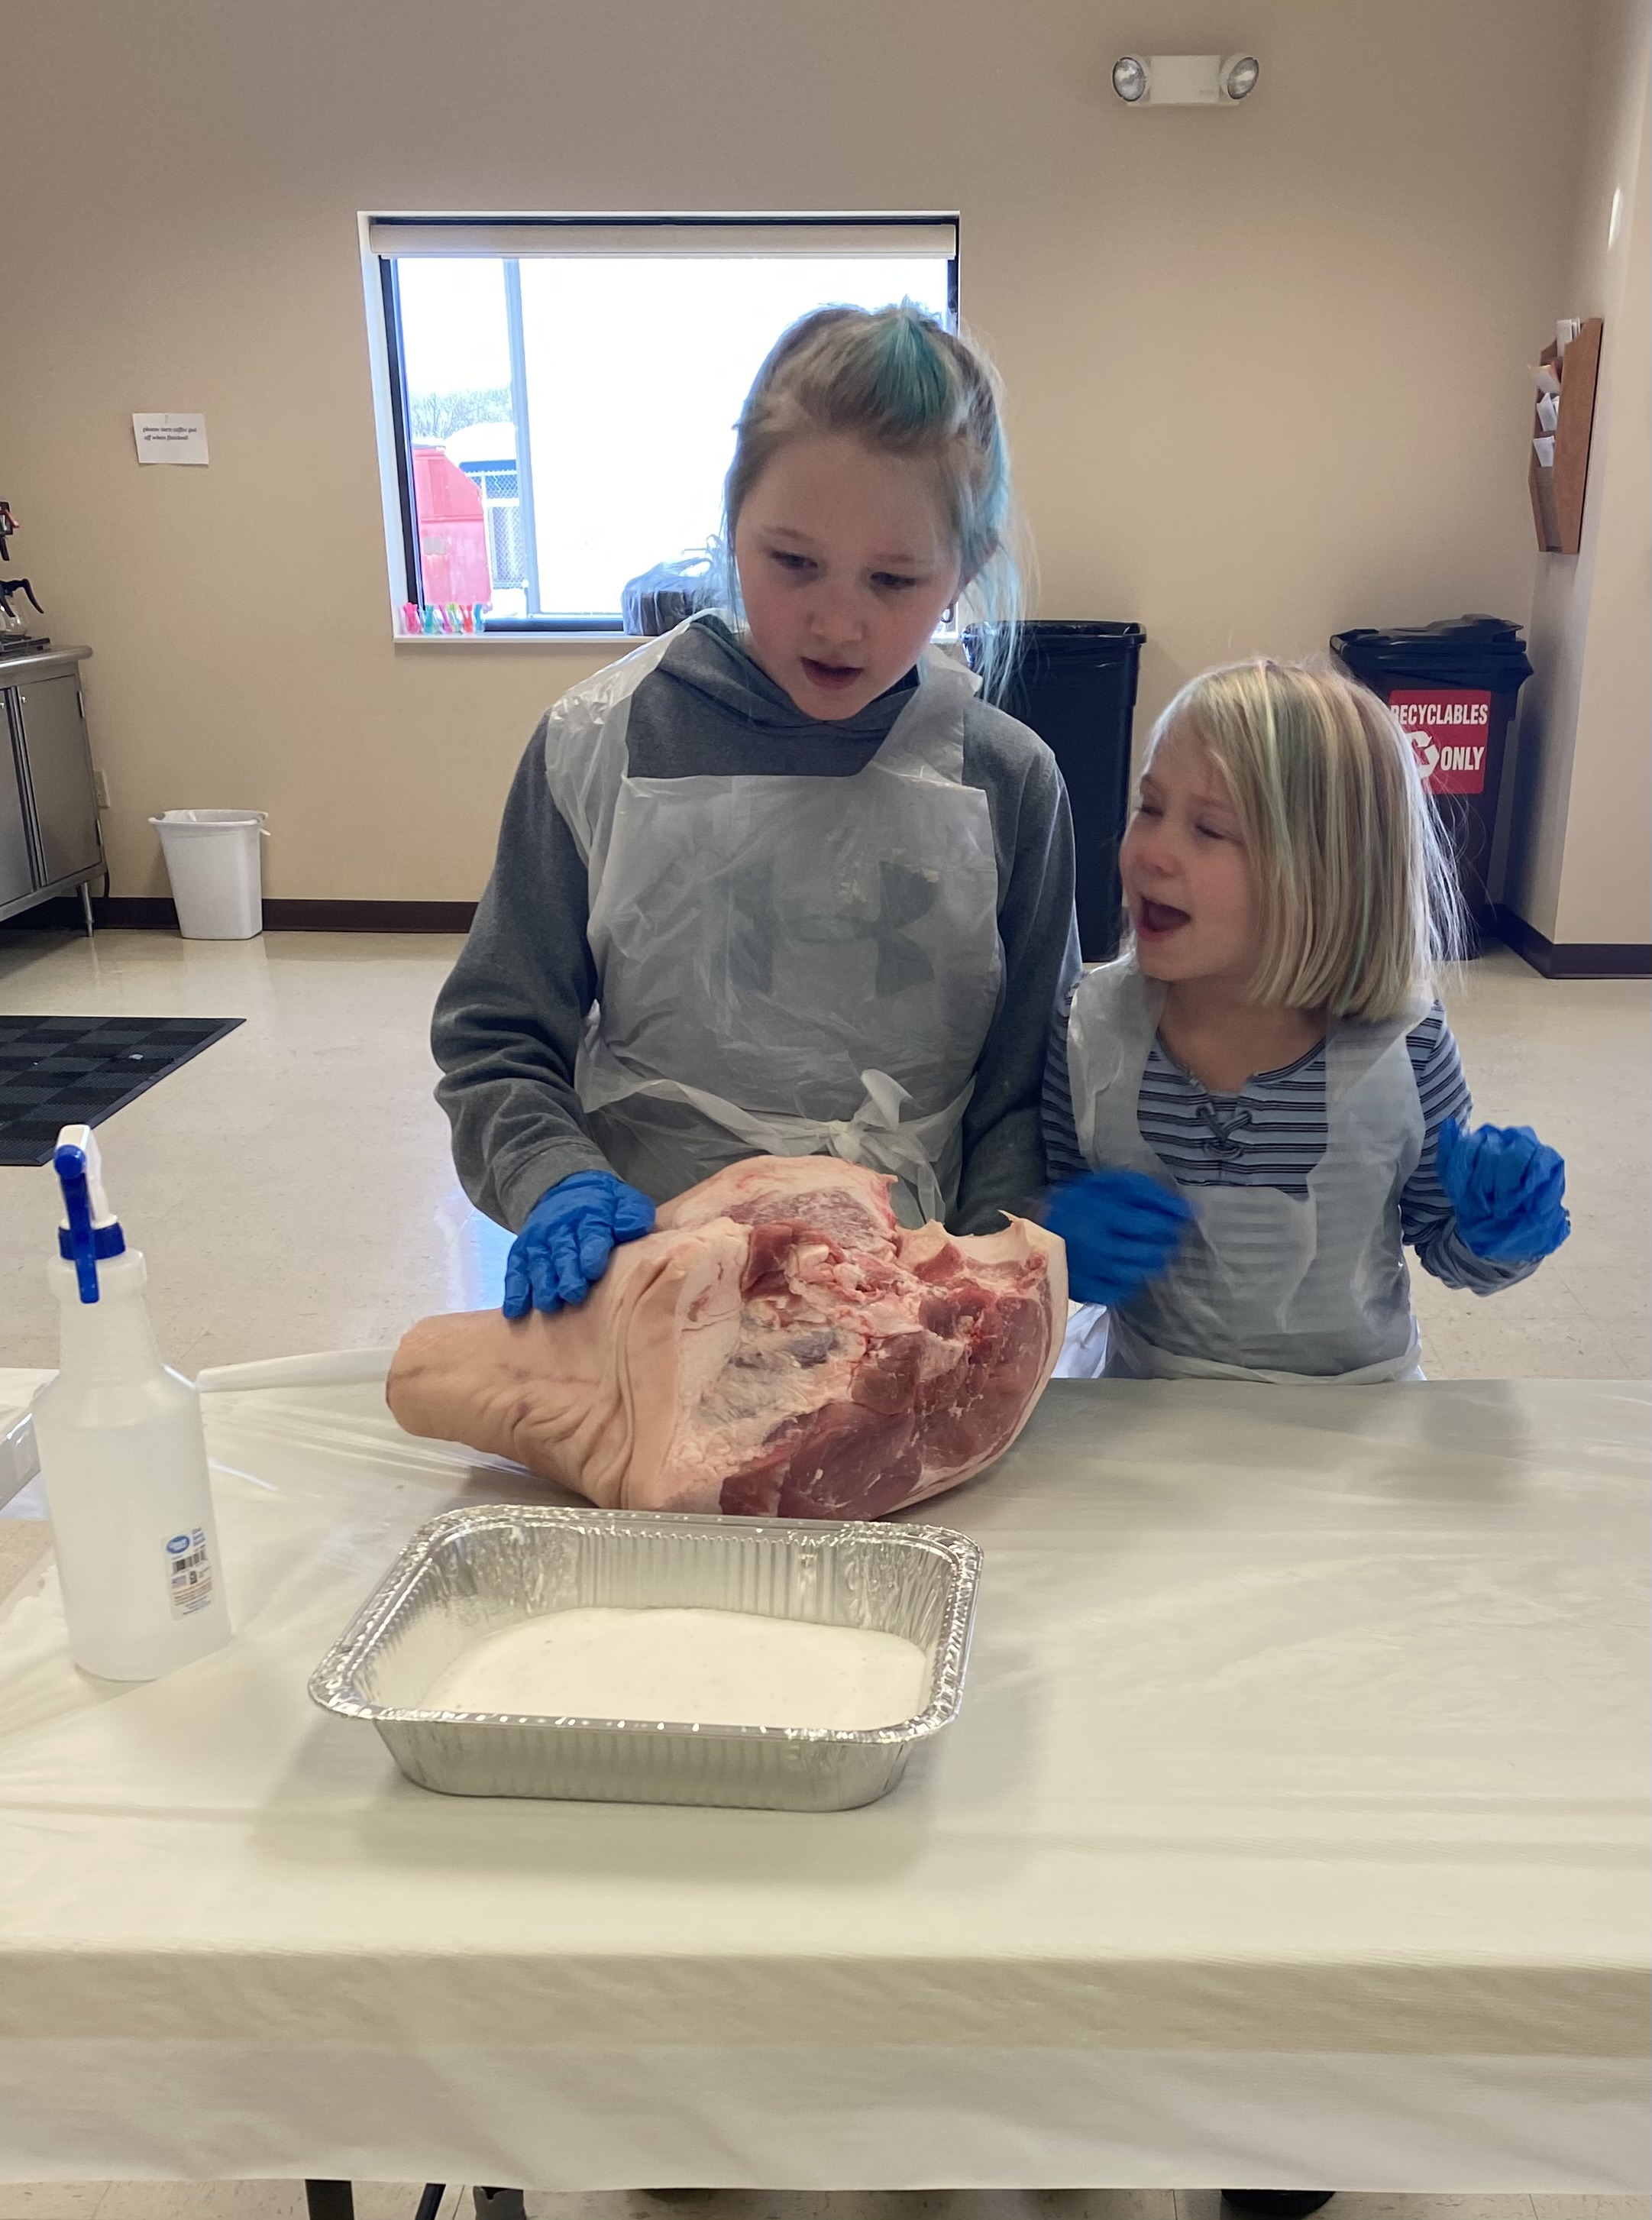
779, 1345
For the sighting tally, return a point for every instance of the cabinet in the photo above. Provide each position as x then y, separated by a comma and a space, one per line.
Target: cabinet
16, 867
50, 842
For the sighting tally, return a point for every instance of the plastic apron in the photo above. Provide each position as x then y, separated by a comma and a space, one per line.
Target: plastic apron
1266, 1285
788, 966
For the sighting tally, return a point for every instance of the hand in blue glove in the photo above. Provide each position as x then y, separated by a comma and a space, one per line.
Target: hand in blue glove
571, 1232
1506, 1189
1121, 1229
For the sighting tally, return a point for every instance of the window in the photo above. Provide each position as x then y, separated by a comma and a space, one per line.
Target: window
562, 393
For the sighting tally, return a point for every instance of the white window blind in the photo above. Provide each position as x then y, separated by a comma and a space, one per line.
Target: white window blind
718, 237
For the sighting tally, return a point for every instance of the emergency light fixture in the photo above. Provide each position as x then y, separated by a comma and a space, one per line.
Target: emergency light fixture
1185, 80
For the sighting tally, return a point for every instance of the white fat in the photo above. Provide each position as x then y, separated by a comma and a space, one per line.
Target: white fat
777, 1367
710, 1312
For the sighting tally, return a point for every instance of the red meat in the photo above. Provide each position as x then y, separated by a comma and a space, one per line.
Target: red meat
779, 1345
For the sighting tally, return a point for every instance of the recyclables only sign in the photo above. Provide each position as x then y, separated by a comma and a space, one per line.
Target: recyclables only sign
1448, 727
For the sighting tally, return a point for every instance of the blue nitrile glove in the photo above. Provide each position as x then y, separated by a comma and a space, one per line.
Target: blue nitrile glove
1121, 1229
1507, 1189
571, 1232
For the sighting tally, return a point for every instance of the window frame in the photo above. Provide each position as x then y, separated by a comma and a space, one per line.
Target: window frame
387, 349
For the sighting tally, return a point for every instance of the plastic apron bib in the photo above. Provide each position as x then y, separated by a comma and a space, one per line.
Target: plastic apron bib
788, 966
1266, 1285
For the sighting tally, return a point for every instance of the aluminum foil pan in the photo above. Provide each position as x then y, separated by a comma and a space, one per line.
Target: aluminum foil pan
474, 1571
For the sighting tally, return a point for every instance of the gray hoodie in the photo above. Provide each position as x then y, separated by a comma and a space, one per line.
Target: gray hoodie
508, 1022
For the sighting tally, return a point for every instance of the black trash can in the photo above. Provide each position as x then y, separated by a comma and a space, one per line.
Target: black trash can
1453, 686
1075, 684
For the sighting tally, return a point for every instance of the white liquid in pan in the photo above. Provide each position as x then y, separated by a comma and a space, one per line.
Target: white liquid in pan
703, 1668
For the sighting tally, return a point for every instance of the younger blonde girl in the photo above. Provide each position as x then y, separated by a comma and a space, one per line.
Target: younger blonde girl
1261, 1102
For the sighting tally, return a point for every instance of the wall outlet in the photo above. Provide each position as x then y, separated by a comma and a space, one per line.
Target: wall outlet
100, 780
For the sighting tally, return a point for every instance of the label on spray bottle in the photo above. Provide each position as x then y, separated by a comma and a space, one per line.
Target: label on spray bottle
189, 1573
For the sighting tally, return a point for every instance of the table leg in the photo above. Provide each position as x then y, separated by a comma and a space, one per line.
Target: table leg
330, 2200
85, 907
430, 2203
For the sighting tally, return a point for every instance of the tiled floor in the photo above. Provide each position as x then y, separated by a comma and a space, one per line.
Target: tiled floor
277, 2200
1571, 1058
291, 1188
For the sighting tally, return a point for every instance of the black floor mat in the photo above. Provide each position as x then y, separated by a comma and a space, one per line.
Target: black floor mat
78, 1071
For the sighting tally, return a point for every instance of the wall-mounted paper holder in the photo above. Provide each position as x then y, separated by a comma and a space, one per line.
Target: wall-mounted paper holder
1558, 492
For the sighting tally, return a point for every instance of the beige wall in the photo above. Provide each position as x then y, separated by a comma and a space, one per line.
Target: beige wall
1581, 850
1265, 364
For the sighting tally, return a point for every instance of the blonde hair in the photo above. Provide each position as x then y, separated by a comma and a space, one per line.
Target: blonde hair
1358, 894
903, 384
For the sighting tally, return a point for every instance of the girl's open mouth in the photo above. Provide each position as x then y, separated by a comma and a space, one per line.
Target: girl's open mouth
1157, 920
831, 675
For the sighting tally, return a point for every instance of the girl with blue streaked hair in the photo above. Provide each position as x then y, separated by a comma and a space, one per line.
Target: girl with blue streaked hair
783, 882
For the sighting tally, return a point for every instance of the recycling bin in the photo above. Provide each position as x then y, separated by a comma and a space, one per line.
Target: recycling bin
1453, 686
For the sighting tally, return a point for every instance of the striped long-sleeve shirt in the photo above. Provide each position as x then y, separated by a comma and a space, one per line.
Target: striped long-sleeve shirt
1272, 1133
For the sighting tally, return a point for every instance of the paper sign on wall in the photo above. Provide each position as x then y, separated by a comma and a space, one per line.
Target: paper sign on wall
1448, 727
170, 438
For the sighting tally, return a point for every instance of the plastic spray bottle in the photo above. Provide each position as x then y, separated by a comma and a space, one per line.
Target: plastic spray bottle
123, 1455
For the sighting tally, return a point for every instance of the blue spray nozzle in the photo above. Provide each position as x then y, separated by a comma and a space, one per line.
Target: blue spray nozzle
83, 1240
77, 1241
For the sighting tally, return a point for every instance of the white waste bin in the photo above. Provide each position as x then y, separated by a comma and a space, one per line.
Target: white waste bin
212, 860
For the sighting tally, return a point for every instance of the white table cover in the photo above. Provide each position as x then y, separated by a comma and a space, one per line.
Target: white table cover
1293, 1834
